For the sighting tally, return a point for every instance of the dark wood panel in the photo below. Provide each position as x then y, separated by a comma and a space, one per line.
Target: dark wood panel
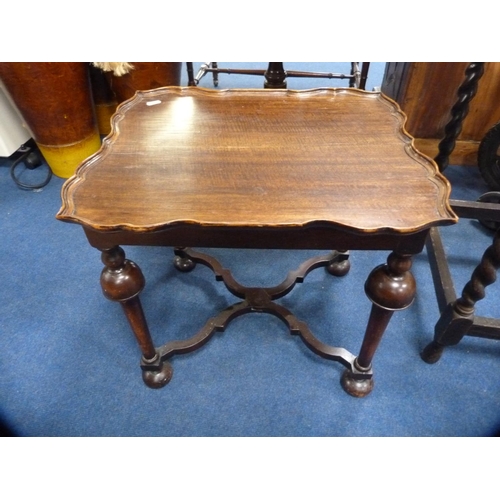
426, 93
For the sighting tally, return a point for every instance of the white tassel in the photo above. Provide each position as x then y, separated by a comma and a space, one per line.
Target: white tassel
118, 68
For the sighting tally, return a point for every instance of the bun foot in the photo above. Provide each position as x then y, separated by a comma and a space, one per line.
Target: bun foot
432, 353
339, 268
156, 379
340, 264
359, 388
184, 264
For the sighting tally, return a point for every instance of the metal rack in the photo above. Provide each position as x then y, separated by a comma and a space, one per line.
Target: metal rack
275, 74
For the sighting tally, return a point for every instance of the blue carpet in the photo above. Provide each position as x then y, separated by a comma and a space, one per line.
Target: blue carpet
70, 366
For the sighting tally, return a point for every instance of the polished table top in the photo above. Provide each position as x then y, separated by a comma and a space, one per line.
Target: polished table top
258, 158
324, 169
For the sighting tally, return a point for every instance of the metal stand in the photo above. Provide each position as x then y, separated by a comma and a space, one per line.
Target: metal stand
275, 75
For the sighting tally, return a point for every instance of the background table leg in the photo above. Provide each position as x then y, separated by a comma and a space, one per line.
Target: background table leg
458, 317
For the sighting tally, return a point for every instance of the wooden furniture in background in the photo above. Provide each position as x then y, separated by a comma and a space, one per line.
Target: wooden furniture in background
55, 100
144, 76
109, 89
458, 314
68, 105
241, 169
104, 99
426, 93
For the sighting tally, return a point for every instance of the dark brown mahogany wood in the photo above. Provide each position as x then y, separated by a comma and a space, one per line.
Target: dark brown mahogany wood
317, 169
260, 300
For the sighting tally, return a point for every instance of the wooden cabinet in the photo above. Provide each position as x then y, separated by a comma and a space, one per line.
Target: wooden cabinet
427, 91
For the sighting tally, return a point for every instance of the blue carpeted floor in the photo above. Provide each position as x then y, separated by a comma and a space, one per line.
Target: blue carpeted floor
70, 366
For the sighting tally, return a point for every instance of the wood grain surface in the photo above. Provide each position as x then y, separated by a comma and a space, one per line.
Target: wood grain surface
257, 158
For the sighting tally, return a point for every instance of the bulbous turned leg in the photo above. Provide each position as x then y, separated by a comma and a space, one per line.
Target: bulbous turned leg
390, 287
122, 281
340, 264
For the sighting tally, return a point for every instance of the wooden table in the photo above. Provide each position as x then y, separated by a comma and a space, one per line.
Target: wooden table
318, 169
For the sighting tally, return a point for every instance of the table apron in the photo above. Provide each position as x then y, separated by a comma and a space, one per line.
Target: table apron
264, 238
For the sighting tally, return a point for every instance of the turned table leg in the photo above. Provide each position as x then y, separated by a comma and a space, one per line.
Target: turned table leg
390, 287
275, 76
458, 317
122, 281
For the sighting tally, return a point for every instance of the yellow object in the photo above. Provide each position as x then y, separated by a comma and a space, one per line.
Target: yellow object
64, 159
104, 112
